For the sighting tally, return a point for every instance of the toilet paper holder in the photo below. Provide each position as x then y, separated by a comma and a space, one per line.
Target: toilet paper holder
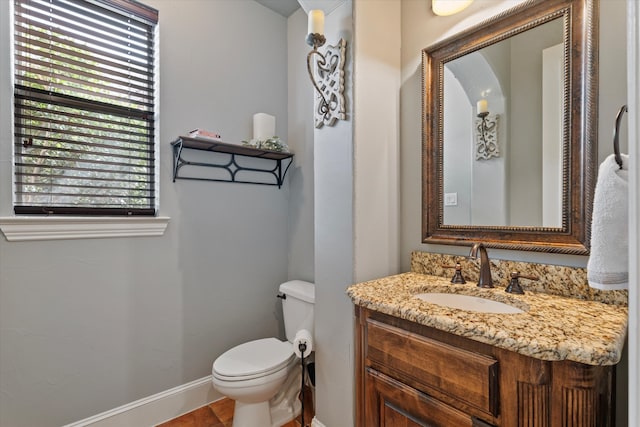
302, 343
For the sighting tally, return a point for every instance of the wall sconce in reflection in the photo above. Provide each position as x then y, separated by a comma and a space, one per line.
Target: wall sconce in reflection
327, 76
486, 132
448, 7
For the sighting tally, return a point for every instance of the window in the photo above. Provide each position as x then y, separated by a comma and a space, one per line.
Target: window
84, 107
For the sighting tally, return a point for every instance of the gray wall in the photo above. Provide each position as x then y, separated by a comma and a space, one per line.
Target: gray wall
88, 325
300, 115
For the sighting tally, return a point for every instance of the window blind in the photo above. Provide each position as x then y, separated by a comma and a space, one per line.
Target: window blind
84, 107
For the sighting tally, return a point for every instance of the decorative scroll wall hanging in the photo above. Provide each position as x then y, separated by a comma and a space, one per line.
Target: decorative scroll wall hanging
487, 137
328, 79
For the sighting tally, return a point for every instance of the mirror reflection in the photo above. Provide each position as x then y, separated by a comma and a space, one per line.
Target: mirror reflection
509, 130
503, 115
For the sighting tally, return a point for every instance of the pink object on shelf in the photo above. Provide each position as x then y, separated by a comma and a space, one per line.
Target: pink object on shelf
202, 133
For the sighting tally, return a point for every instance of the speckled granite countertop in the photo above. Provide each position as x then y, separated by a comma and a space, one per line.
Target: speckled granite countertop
552, 328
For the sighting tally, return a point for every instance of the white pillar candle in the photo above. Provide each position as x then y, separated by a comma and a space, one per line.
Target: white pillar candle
482, 106
316, 22
264, 126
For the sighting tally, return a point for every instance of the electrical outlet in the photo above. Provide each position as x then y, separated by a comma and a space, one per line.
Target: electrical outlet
451, 199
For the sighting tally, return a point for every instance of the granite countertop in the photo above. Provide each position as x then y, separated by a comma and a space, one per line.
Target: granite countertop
551, 328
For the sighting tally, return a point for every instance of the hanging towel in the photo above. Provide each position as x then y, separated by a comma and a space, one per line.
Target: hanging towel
608, 268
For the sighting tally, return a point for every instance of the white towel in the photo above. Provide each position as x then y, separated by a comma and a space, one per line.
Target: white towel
608, 267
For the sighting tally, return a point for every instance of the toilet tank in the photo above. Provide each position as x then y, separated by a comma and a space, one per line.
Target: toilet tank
297, 306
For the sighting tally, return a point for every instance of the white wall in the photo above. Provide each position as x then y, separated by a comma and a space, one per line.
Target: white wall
633, 69
88, 325
376, 138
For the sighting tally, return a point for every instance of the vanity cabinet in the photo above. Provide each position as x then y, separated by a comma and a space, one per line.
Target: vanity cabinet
409, 374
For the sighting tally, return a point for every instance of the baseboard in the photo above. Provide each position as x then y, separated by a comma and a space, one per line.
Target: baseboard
316, 423
158, 408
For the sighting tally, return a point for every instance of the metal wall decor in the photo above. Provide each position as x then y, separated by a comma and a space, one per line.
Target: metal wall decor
327, 78
487, 136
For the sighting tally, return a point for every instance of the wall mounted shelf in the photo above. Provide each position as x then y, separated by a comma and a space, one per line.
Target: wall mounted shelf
274, 158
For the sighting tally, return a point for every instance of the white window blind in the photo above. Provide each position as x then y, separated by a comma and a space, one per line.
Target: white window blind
84, 107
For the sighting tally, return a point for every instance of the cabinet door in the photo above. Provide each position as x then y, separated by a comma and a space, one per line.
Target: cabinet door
390, 403
443, 370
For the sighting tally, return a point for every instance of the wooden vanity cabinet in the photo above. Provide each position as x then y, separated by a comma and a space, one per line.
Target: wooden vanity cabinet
408, 374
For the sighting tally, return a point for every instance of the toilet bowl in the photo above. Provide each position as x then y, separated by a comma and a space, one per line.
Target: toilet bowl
251, 374
263, 376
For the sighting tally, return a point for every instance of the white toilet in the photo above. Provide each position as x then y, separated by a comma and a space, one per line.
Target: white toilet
263, 376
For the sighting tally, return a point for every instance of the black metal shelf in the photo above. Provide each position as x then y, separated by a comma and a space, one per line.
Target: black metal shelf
276, 158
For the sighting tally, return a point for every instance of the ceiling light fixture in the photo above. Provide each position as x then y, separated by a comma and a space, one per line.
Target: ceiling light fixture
449, 7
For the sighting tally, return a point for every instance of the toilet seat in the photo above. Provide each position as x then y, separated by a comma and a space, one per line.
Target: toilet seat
253, 359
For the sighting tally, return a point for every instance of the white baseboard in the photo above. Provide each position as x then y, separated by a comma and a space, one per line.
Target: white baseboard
156, 409
316, 423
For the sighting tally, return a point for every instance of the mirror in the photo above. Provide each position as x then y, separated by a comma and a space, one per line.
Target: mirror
509, 145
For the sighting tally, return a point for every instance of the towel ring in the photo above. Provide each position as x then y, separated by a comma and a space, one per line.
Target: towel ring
616, 130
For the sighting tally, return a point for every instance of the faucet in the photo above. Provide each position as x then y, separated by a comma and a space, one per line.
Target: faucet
484, 281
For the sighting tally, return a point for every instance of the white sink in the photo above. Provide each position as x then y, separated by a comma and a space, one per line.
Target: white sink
468, 302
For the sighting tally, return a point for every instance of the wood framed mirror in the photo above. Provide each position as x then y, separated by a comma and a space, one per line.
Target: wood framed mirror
510, 130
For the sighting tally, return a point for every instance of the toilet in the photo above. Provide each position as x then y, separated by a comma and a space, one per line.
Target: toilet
263, 376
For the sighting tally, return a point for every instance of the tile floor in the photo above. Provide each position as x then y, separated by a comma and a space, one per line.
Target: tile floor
220, 414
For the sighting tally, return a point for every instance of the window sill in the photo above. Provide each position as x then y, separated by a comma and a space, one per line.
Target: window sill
30, 228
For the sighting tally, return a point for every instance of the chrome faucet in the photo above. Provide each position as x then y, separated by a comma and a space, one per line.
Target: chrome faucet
484, 281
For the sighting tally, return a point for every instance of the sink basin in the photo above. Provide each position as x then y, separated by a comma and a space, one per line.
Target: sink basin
468, 302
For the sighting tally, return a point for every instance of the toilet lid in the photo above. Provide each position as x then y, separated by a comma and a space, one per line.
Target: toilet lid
254, 358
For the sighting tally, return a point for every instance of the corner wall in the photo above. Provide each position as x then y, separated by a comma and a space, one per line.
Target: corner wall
357, 192
333, 180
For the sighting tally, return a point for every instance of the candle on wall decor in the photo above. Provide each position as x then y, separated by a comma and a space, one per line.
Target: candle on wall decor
482, 106
316, 22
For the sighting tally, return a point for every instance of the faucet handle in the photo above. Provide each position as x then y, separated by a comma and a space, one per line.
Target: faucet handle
514, 285
457, 276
